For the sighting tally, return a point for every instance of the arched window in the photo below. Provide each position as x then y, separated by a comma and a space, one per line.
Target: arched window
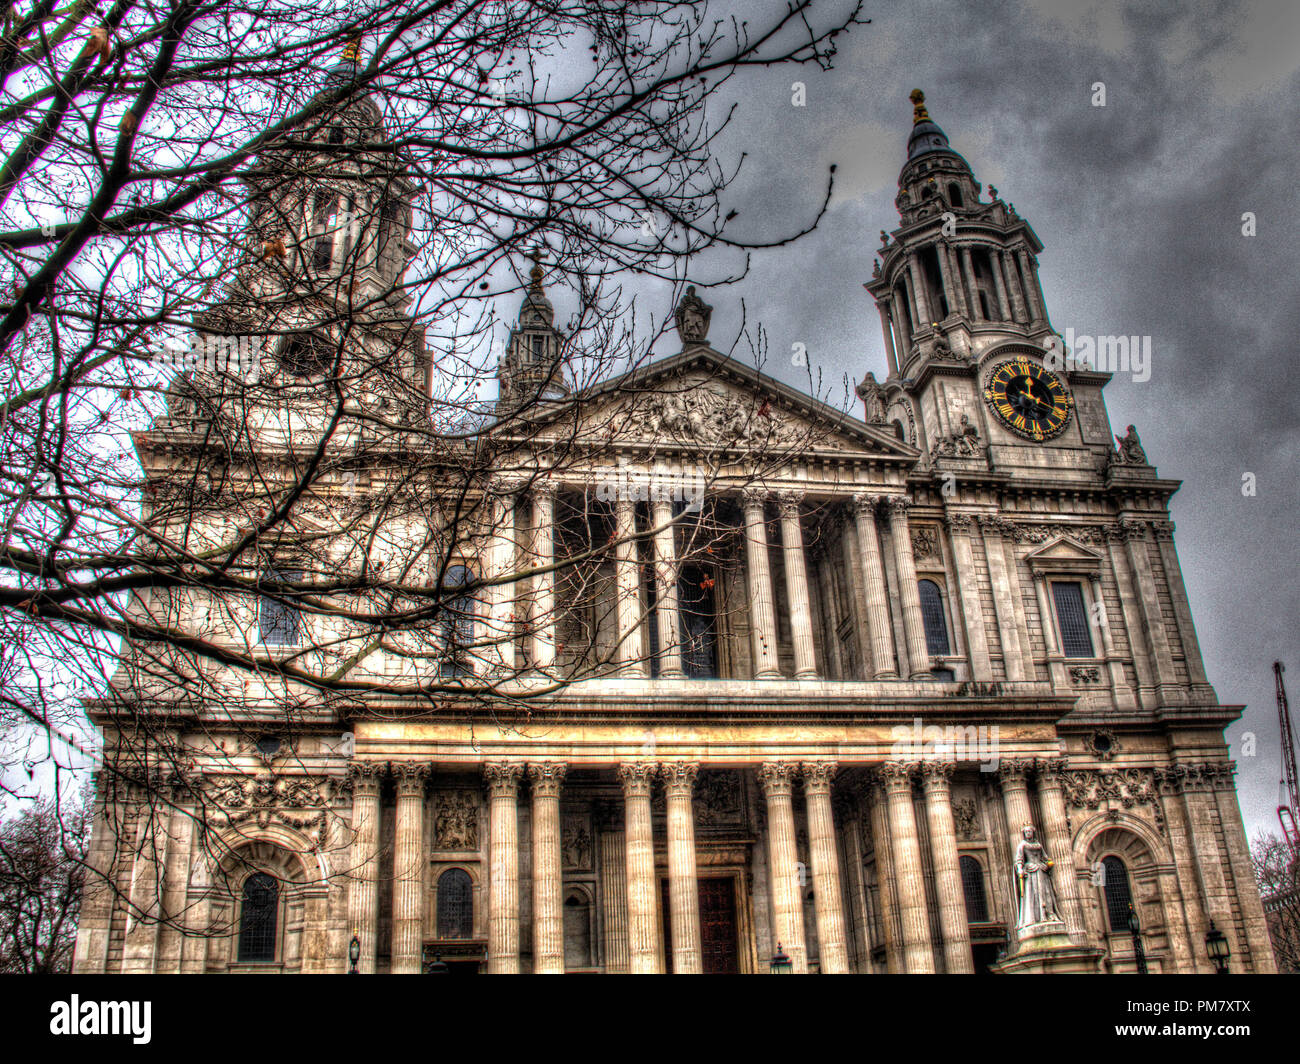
258, 912
1119, 897
455, 904
972, 886
456, 625
936, 627
898, 430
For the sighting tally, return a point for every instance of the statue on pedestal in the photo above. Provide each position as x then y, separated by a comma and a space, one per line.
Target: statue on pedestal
693, 316
1034, 881
1130, 448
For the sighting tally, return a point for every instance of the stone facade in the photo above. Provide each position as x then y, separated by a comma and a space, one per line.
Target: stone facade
890, 682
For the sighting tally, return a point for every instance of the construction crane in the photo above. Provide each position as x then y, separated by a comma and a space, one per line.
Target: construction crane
1289, 790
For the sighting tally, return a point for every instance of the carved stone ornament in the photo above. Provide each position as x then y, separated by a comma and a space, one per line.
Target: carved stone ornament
575, 842
963, 442
1130, 450
693, 316
300, 802
1090, 788
1085, 674
718, 797
964, 815
455, 820
1042, 533
925, 542
707, 417
1103, 744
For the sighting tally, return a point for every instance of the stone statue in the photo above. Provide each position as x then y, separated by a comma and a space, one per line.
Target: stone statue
1034, 881
963, 443
1130, 448
942, 349
873, 399
693, 318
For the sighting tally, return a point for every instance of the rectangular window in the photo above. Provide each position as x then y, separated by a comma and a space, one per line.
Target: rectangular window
1072, 620
279, 620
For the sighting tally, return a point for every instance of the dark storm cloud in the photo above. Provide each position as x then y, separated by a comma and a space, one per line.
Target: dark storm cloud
1139, 204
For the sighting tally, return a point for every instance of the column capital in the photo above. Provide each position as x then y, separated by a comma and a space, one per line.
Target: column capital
636, 777
958, 523
754, 496
936, 776
679, 777
817, 776
897, 775
365, 776
1015, 770
502, 777
543, 490
777, 777
547, 777
788, 503
993, 524
1050, 769
865, 504
505, 488
410, 776
896, 506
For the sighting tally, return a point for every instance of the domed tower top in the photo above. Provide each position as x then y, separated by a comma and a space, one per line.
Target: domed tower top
533, 370
926, 134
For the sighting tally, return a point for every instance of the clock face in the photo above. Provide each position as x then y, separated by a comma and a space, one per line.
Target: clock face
1031, 401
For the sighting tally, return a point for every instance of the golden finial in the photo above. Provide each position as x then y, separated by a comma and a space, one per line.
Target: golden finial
919, 113
352, 50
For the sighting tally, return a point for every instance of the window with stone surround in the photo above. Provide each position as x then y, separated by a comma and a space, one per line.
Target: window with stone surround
1072, 619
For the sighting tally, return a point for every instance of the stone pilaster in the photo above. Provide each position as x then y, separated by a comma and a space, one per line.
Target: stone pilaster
408, 868
936, 782
796, 582
500, 651
142, 918
918, 657
888, 331
666, 604
1004, 601
918, 956
631, 644
972, 610
642, 895
1239, 862
543, 549
503, 867
363, 891
683, 889
873, 577
548, 886
762, 608
1065, 878
828, 897
777, 780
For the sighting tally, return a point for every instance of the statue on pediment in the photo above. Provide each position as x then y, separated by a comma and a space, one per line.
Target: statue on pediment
693, 316
1130, 449
873, 399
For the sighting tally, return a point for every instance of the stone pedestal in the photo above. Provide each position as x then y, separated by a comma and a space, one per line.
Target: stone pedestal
1046, 949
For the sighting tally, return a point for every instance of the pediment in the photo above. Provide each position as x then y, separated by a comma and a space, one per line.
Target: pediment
1064, 553
702, 402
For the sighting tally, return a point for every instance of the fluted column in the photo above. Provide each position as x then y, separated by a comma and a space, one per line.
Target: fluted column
363, 890
972, 289
923, 314
1013, 774
918, 657
796, 584
548, 886
886, 884
918, 957
948, 278
887, 329
1000, 285
1018, 308
828, 897
683, 889
1051, 800
1036, 311
543, 618
613, 886
503, 867
666, 606
631, 649
877, 599
408, 868
936, 782
642, 895
777, 780
762, 609
904, 324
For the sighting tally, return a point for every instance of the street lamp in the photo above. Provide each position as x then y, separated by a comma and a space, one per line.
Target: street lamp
1135, 932
354, 955
780, 964
1216, 945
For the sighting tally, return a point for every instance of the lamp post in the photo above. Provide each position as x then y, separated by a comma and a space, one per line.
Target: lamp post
354, 954
1135, 932
780, 964
1216, 945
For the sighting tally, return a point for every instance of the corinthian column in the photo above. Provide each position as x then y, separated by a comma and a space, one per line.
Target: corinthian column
408, 869
1013, 773
642, 897
918, 657
828, 898
503, 869
777, 779
918, 958
936, 777
500, 651
873, 576
1051, 799
796, 583
544, 581
613, 887
762, 610
683, 890
363, 891
548, 887
666, 608
631, 650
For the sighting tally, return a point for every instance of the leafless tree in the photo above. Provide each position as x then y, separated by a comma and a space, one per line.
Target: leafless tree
1277, 874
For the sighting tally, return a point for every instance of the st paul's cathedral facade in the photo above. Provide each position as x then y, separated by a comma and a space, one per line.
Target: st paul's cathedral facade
725, 677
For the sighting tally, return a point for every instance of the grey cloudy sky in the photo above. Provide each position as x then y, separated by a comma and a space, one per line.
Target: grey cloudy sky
1139, 204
